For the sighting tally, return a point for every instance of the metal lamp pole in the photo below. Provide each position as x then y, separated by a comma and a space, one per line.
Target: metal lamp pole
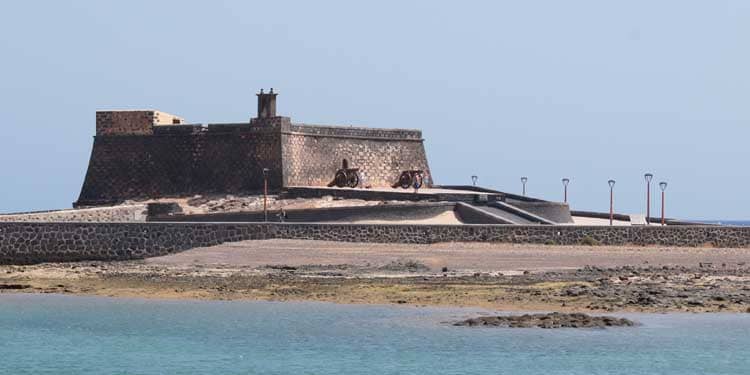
474, 180
611, 201
523, 182
648, 177
565, 182
662, 186
265, 194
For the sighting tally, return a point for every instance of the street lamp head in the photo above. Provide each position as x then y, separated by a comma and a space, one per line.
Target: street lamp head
663, 186
265, 171
611, 183
565, 181
524, 179
648, 177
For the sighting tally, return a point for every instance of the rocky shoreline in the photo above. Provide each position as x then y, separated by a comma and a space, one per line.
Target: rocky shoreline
546, 321
715, 288
702, 288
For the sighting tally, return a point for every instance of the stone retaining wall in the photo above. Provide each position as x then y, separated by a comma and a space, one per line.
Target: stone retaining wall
25, 243
125, 213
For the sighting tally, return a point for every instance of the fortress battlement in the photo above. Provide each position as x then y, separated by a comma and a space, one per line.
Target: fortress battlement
153, 122
131, 122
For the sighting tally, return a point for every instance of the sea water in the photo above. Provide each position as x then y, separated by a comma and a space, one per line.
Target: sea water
736, 223
53, 334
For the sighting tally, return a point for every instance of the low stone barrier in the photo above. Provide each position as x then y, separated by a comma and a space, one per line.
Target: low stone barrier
25, 243
134, 212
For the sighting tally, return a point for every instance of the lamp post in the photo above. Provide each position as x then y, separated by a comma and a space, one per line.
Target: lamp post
523, 182
662, 186
611, 201
565, 182
474, 180
265, 194
648, 177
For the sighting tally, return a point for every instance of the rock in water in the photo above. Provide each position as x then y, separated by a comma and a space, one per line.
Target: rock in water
550, 320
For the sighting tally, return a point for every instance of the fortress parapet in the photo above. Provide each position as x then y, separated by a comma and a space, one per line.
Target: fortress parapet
131, 122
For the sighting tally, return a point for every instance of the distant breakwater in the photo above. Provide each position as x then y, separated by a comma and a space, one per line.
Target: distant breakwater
28, 243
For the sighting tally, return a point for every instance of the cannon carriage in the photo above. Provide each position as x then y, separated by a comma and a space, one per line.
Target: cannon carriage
348, 177
345, 176
410, 179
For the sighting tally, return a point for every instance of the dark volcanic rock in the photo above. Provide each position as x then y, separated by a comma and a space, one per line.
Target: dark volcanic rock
551, 320
14, 286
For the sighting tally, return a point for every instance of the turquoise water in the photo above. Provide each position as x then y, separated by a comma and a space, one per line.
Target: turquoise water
52, 334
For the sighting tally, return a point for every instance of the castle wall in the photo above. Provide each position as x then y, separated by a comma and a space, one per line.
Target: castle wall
312, 154
180, 161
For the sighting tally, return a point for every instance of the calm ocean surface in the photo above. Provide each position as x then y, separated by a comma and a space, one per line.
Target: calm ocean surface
52, 334
741, 223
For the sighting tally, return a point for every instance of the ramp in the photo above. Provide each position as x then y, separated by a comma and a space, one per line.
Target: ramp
638, 219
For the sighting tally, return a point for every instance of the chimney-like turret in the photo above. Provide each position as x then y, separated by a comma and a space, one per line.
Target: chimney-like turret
267, 104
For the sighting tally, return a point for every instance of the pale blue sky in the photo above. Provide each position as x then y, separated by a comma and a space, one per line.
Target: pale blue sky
590, 90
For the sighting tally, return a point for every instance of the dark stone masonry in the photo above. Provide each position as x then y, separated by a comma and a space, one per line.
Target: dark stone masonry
152, 154
27, 243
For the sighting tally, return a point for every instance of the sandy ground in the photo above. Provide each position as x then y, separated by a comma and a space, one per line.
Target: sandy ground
496, 276
445, 218
456, 256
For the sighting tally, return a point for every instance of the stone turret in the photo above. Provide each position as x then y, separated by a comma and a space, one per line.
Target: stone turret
266, 104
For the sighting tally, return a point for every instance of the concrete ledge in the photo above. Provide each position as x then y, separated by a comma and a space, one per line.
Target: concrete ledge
472, 215
26, 243
554, 212
480, 189
380, 195
522, 213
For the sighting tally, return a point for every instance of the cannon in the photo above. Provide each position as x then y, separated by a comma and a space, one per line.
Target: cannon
410, 179
346, 177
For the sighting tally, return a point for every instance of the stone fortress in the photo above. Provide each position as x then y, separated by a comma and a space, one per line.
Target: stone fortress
152, 154
147, 154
